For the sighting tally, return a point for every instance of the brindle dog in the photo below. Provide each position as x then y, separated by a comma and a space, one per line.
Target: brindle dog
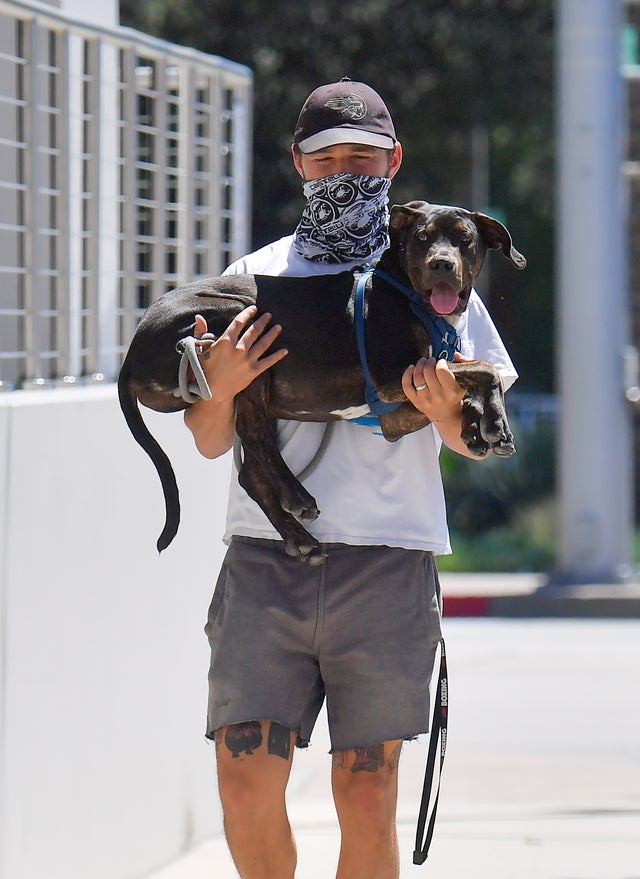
436, 250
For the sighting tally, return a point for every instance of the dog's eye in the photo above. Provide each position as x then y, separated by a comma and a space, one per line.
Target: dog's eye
466, 239
421, 235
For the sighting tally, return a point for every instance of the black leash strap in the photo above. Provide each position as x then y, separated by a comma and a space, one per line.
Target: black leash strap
438, 735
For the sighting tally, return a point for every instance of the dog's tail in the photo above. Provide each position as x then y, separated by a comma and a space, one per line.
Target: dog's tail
131, 411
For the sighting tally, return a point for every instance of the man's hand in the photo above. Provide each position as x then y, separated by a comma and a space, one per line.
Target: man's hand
432, 388
230, 364
239, 354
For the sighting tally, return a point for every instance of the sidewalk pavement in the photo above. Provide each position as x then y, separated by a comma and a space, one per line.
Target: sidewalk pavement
501, 816
513, 841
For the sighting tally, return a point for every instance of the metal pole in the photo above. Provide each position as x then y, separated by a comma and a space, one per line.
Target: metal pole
595, 464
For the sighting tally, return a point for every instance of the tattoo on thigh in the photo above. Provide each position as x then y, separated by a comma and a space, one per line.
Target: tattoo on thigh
279, 741
394, 757
368, 759
243, 737
339, 759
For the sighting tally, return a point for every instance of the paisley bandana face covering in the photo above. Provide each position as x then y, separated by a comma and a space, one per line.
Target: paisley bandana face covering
346, 218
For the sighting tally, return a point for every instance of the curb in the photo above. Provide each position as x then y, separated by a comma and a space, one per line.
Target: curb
466, 606
564, 603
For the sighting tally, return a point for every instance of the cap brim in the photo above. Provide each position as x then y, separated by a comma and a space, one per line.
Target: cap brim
332, 136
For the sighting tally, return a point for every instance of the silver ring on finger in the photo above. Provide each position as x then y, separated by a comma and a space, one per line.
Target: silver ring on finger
420, 387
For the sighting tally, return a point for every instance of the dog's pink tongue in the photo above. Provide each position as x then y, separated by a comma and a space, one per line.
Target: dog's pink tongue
444, 298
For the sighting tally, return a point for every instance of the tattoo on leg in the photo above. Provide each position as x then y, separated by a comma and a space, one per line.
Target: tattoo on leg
369, 758
243, 737
339, 759
394, 757
279, 741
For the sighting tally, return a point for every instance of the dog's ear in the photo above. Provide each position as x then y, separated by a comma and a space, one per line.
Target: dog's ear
403, 215
497, 237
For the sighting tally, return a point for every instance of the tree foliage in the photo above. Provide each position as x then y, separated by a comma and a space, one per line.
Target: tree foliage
443, 67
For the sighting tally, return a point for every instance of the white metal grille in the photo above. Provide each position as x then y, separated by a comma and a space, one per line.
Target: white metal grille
124, 168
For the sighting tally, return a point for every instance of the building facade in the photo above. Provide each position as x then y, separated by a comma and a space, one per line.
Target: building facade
124, 172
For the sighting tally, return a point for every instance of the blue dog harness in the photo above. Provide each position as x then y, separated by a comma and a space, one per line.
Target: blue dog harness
444, 339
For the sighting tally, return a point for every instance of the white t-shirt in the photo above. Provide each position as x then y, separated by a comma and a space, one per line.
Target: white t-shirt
368, 491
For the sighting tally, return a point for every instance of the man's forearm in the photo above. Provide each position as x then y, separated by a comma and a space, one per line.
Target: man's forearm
212, 424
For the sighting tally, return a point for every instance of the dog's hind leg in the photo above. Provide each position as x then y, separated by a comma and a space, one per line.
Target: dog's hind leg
258, 484
268, 481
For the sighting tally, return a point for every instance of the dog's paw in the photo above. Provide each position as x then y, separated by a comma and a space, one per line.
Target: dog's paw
471, 433
498, 436
485, 426
308, 514
297, 501
495, 429
504, 448
300, 544
304, 513
476, 445
315, 558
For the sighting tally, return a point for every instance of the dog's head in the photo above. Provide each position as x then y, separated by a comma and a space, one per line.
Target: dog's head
442, 248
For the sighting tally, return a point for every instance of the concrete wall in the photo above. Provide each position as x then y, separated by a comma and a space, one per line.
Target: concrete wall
105, 772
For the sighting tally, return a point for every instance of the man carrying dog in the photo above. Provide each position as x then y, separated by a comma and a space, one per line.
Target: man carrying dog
362, 629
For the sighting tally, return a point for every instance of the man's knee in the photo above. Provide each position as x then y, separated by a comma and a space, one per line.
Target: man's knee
254, 762
365, 783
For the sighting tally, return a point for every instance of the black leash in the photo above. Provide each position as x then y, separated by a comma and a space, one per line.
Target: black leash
438, 735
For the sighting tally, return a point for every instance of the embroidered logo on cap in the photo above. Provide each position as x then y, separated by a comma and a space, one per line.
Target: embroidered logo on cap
350, 106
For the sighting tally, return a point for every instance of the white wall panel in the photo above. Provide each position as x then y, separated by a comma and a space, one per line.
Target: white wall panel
105, 770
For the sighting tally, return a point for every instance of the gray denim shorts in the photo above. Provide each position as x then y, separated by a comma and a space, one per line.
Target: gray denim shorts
361, 630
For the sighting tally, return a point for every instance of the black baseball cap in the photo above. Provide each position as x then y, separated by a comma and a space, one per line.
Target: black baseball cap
344, 112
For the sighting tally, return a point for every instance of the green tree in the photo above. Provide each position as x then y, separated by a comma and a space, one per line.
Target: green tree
443, 66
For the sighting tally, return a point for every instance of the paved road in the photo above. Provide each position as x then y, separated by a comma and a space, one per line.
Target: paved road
543, 767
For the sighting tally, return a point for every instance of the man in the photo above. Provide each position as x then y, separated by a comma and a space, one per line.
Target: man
362, 629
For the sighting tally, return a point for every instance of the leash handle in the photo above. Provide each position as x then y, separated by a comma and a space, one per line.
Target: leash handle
309, 468
188, 349
438, 735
